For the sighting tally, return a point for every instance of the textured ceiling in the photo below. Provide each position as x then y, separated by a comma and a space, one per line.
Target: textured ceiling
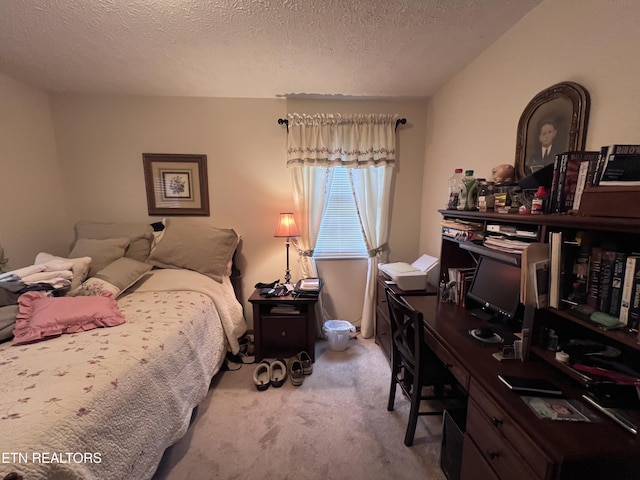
248, 48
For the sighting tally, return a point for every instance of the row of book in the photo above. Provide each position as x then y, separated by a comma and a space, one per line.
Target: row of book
574, 171
460, 279
606, 278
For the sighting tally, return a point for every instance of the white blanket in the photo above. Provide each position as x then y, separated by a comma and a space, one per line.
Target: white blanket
222, 294
106, 403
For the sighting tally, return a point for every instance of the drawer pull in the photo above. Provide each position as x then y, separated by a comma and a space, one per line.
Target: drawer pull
496, 421
284, 334
492, 455
446, 365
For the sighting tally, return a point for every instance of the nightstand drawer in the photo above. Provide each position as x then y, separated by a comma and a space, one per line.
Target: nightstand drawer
283, 334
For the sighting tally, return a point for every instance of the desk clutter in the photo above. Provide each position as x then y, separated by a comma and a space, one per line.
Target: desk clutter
578, 331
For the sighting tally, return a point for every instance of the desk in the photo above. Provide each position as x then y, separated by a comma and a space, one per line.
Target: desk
504, 439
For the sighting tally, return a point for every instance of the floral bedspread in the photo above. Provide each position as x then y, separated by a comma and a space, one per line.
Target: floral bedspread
106, 403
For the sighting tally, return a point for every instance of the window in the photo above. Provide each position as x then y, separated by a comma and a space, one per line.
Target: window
340, 233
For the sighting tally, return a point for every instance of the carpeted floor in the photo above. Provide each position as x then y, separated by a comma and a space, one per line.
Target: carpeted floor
335, 426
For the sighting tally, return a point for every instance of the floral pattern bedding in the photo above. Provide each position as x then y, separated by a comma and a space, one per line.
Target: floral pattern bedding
106, 403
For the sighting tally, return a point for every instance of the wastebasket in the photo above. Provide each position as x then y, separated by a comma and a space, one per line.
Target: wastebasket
337, 333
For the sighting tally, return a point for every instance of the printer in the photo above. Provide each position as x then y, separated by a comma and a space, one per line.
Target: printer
409, 277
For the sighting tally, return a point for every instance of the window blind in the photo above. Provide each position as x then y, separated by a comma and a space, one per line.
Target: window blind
340, 233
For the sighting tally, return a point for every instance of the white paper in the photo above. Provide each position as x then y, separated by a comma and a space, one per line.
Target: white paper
425, 263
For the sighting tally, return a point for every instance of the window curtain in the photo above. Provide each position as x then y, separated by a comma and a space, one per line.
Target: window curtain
365, 143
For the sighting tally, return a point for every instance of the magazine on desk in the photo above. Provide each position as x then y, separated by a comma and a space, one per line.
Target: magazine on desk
555, 409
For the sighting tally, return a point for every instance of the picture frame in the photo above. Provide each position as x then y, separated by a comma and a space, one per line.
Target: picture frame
559, 113
176, 184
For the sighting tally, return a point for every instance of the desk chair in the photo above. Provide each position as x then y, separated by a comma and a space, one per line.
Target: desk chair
413, 364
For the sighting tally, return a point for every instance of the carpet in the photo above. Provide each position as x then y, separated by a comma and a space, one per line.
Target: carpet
335, 426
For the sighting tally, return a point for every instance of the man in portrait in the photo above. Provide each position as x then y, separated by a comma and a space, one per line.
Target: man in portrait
548, 146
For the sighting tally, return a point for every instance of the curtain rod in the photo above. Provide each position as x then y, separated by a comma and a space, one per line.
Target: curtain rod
284, 121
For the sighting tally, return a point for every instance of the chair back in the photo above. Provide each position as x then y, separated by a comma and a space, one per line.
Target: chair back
406, 324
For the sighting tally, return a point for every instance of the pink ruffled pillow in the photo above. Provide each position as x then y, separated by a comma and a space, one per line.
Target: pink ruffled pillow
40, 316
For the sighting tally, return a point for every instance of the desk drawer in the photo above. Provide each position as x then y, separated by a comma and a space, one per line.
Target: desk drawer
448, 360
383, 332
495, 448
474, 466
489, 421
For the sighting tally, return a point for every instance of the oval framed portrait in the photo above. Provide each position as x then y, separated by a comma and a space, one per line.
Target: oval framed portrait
554, 121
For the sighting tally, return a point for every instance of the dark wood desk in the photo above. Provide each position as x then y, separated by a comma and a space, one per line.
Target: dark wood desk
504, 439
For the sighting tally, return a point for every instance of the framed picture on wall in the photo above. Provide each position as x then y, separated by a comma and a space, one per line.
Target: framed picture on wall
176, 184
554, 121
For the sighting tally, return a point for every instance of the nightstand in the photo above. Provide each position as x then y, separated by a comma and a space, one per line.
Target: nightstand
283, 326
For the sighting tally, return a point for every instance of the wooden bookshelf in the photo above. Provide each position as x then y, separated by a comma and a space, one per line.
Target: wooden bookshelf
626, 230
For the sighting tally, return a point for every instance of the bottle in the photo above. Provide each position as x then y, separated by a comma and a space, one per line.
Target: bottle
455, 185
468, 192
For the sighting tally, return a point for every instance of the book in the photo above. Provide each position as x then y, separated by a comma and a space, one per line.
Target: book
603, 157
555, 268
617, 279
606, 278
633, 322
622, 169
632, 266
557, 201
520, 384
580, 278
540, 273
595, 259
576, 181
553, 194
555, 409
534, 257
573, 161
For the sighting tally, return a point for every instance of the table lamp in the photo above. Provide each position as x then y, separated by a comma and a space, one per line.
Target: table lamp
287, 228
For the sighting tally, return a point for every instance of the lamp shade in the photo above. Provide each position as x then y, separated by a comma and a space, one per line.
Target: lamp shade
286, 226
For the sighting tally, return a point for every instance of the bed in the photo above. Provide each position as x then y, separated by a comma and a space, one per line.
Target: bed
106, 402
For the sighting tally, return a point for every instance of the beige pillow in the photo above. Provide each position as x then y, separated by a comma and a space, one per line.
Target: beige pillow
102, 252
195, 244
140, 235
80, 267
116, 277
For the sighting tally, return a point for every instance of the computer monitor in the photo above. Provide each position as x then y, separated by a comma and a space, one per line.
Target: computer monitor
496, 287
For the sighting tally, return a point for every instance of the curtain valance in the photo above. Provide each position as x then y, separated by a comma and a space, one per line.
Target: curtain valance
329, 140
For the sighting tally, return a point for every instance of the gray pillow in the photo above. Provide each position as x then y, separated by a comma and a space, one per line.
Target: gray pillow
195, 244
116, 277
140, 235
102, 252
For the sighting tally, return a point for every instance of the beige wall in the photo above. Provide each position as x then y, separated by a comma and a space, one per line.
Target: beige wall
472, 121
101, 140
34, 216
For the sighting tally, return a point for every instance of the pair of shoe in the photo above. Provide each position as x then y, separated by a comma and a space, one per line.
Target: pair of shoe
266, 374
246, 345
299, 366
